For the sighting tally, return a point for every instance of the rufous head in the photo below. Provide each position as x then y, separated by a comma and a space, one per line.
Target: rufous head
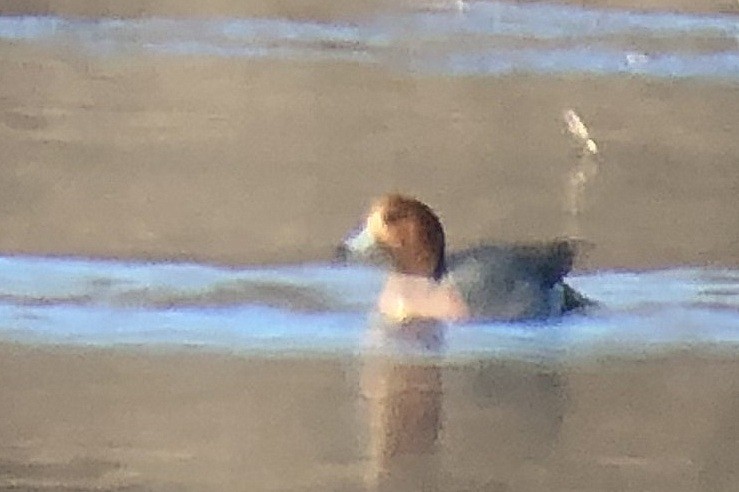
406, 232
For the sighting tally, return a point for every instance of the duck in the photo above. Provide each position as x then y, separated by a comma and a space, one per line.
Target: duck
494, 282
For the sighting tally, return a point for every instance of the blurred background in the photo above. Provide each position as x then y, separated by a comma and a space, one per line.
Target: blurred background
257, 132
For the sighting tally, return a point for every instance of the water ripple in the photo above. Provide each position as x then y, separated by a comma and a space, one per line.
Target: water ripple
484, 38
318, 307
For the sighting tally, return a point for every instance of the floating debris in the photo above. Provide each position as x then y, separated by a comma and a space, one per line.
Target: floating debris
577, 128
582, 172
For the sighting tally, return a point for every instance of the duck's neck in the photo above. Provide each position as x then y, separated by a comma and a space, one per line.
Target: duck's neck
413, 296
440, 269
418, 257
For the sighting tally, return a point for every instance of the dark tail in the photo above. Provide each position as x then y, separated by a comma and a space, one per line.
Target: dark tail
574, 301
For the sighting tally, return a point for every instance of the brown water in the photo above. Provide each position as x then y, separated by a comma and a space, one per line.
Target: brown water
182, 137
84, 420
152, 145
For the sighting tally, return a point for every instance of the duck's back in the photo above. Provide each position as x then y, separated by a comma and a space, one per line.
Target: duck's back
514, 281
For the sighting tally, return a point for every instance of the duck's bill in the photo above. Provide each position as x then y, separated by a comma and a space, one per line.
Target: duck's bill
361, 246
360, 242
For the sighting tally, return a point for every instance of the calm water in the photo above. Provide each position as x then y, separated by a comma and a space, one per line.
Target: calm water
475, 38
319, 307
322, 308
482, 419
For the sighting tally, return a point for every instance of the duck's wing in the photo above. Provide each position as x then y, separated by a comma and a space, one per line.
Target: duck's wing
514, 281
547, 262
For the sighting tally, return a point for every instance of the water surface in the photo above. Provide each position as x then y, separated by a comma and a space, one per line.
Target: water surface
466, 38
163, 137
322, 308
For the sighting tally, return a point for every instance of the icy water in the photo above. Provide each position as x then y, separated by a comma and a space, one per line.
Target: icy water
327, 309
455, 38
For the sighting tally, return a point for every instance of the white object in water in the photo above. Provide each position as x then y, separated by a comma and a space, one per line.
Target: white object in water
577, 128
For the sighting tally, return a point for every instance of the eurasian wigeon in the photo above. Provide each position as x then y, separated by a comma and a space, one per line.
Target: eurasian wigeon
491, 282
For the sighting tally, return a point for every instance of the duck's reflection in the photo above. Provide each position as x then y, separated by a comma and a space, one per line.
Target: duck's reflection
402, 385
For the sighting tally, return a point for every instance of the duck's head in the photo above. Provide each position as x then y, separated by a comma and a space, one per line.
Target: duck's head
402, 233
